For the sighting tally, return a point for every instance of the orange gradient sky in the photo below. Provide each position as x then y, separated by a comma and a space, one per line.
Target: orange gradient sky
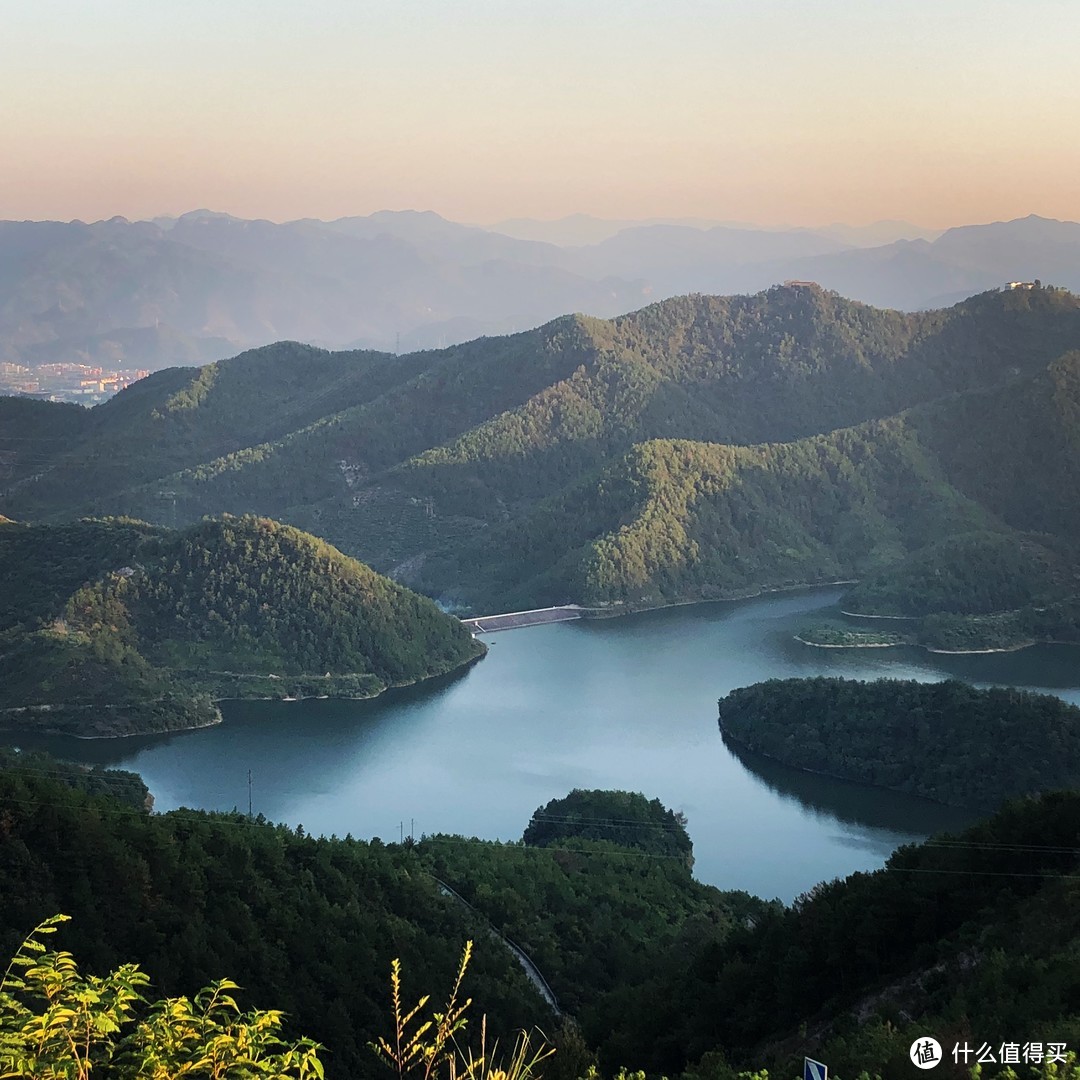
770, 111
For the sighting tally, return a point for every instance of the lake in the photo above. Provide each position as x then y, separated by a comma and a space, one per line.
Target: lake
623, 703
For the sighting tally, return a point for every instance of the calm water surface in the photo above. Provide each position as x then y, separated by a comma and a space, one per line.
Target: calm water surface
627, 703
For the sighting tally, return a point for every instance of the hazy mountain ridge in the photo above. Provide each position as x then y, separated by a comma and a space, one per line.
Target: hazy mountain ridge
210, 284
205, 285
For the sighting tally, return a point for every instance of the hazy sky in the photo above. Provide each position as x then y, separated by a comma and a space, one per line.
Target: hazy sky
801, 111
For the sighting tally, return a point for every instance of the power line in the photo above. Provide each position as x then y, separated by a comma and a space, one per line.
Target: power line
221, 818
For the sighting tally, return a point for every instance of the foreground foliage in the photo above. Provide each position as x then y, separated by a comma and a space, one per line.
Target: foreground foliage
431, 1048
309, 924
974, 938
56, 1024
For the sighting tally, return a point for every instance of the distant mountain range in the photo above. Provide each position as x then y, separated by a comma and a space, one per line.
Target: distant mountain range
580, 230
701, 447
203, 286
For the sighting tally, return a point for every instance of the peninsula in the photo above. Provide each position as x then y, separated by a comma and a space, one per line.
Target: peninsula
117, 627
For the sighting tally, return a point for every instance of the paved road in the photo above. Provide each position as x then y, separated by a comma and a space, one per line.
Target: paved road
533, 972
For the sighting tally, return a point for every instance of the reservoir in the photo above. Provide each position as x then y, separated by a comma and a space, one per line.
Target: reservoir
624, 703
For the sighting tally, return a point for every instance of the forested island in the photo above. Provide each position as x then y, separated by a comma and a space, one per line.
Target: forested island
117, 627
947, 741
978, 931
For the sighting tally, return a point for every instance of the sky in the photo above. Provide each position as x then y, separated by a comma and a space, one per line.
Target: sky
803, 112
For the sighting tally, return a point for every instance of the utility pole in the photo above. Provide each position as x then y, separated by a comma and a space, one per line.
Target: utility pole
249, 793
412, 824
401, 832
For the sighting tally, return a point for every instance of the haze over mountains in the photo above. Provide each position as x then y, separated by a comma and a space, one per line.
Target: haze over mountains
205, 285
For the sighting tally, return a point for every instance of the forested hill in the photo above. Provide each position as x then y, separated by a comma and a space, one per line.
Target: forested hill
974, 938
699, 447
117, 626
307, 925
676, 520
274, 401
946, 741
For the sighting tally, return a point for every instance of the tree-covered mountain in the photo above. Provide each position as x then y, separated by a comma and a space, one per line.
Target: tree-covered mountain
975, 573
701, 447
970, 937
335, 416
676, 520
111, 627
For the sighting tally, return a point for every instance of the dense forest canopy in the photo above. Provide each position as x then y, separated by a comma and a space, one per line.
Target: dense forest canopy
311, 925
976, 573
972, 937
620, 817
947, 741
305, 925
118, 626
976, 933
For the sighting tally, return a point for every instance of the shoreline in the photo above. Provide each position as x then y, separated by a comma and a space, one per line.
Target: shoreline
931, 649
215, 701
864, 615
864, 645
756, 594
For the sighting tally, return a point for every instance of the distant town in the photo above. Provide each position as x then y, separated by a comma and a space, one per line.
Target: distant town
81, 383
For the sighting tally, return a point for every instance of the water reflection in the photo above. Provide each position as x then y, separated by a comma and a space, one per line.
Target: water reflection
851, 803
625, 703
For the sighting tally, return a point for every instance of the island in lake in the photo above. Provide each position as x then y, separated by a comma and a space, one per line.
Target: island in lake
946, 741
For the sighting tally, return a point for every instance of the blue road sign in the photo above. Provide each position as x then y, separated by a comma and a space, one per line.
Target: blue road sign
814, 1070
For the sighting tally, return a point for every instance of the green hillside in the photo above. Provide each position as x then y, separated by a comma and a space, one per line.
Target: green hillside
306, 925
974, 938
182, 416
701, 447
116, 626
270, 411
975, 573
783, 364
893, 502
